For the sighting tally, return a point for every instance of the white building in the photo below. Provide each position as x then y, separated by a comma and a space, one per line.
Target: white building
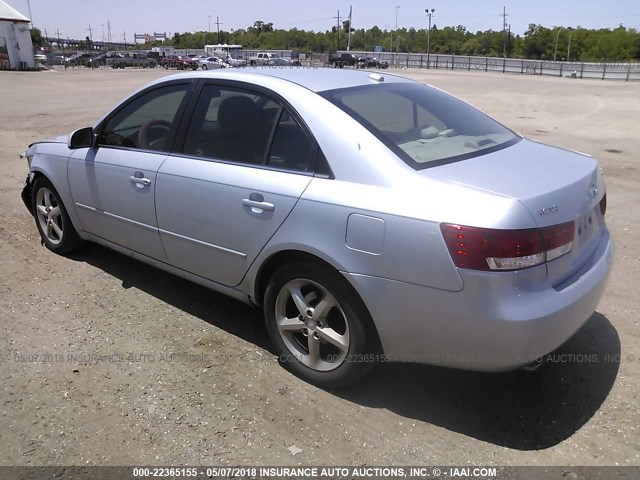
16, 49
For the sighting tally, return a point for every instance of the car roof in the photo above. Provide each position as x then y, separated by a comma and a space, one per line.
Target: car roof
314, 79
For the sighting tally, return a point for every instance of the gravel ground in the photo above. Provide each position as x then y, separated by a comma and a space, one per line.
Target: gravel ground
106, 361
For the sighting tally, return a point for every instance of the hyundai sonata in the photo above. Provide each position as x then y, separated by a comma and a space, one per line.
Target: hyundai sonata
372, 217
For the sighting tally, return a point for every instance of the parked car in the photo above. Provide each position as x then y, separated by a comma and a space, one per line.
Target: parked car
280, 62
341, 60
372, 62
212, 62
78, 59
98, 60
57, 59
178, 61
234, 61
260, 58
373, 218
133, 59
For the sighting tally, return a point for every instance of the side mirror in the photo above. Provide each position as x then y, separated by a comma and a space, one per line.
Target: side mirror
82, 138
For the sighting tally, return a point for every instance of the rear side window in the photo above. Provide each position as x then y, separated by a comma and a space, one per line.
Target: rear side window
291, 148
424, 126
232, 124
244, 126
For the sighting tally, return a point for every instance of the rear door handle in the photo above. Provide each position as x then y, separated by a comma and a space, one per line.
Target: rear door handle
261, 206
140, 181
257, 204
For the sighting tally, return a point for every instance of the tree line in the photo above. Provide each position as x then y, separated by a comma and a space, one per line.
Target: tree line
538, 42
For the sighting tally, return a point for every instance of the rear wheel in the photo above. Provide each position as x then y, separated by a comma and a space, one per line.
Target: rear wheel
319, 326
52, 219
204, 66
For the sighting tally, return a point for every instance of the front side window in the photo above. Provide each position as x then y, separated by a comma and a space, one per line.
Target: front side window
423, 125
148, 122
244, 126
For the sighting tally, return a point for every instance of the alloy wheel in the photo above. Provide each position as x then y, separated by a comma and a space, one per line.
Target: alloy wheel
312, 324
49, 215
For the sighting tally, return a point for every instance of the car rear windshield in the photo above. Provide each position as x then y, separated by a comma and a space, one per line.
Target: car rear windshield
422, 125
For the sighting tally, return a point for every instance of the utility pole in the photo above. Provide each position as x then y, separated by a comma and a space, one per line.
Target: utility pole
397, 36
338, 30
109, 31
30, 16
64, 60
218, 26
124, 37
91, 42
504, 31
569, 46
555, 50
429, 14
349, 38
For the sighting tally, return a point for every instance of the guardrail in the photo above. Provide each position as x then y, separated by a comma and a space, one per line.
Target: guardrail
627, 71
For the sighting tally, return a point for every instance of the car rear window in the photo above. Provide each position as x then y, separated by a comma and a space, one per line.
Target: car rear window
422, 125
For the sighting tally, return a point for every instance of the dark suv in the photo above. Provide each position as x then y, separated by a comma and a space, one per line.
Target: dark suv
77, 60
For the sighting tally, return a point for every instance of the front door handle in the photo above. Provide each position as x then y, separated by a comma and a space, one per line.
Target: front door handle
140, 181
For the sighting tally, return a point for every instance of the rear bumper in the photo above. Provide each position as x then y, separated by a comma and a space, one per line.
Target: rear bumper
497, 322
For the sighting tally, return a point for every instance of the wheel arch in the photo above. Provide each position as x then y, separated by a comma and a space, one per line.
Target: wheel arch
283, 257
45, 166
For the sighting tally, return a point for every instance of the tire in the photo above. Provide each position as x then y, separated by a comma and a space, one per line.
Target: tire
56, 230
166, 65
204, 66
303, 345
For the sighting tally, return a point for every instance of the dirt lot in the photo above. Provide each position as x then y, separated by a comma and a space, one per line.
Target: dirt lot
190, 378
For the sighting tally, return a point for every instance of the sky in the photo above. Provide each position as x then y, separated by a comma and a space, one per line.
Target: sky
73, 17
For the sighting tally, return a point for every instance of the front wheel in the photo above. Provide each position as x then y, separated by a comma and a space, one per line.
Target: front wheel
318, 325
52, 219
204, 66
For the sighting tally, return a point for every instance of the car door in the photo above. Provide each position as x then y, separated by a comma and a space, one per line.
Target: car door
244, 165
113, 183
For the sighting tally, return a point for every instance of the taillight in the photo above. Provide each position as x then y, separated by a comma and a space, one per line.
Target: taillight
493, 249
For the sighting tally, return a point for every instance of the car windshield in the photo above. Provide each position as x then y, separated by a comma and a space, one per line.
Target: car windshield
422, 125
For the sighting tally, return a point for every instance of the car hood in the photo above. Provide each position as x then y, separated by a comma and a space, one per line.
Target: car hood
59, 139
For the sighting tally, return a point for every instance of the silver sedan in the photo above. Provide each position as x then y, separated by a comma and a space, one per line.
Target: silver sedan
372, 217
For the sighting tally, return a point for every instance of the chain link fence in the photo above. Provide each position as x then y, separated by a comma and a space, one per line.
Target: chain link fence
627, 71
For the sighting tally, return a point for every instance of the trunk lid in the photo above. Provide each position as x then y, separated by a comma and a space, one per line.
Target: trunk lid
554, 184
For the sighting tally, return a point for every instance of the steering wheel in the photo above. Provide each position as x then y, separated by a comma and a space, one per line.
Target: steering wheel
149, 141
